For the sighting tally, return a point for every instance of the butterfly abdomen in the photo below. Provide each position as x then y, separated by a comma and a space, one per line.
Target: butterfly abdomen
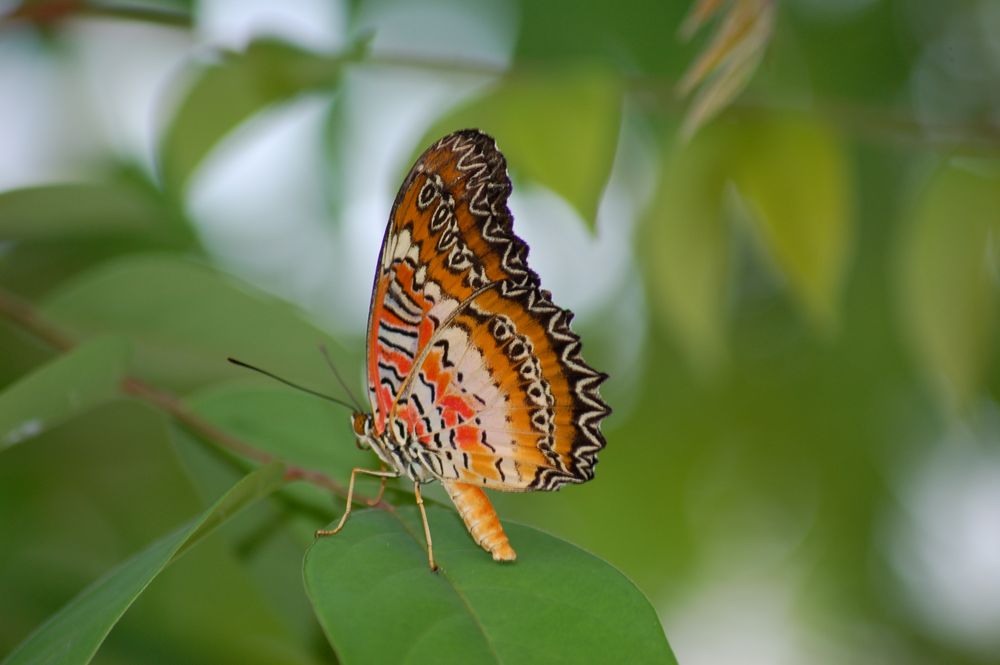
481, 520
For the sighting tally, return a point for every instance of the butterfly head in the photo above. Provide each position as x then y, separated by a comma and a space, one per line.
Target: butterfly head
362, 425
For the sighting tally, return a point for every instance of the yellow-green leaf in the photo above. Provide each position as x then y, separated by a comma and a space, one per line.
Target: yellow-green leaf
793, 173
559, 128
949, 297
688, 248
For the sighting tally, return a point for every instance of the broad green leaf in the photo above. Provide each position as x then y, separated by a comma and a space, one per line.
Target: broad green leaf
74, 634
120, 206
79, 500
559, 128
60, 230
185, 319
688, 244
88, 495
79, 380
950, 298
794, 175
379, 602
227, 92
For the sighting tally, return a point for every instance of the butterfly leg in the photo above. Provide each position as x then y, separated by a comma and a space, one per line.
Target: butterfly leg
350, 497
381, 490
427, 528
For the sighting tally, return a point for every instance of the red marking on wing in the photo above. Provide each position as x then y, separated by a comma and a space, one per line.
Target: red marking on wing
467, 436
457, 405
426, 331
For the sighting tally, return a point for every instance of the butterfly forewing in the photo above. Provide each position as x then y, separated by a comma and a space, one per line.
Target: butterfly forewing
465, 351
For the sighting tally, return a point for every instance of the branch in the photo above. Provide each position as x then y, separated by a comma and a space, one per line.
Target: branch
25, 317
659, 94
56, 11
22, 315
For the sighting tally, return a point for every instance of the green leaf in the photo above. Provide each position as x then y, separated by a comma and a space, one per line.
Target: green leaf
558, 128
949, 296
81, 379
74, 634
186, 318
300, 430
226, 93
793, 173
297, 428
59, 230
379, 603
124, 205
688, 244
88, 495
636, 32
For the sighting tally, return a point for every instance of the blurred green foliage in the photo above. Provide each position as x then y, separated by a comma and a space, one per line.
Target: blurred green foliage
820, 290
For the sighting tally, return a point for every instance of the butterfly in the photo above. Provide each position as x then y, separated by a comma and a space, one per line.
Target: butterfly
474, 376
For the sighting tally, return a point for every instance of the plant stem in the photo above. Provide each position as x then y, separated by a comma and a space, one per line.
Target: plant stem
54, 11
658, 94
25, 317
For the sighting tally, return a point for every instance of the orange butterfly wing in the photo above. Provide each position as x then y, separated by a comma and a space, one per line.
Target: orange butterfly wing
464, 349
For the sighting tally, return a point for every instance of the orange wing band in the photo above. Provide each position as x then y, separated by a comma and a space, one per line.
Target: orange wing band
481, 519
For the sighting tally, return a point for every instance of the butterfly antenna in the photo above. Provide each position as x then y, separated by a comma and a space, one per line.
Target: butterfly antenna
340, 379
289, 383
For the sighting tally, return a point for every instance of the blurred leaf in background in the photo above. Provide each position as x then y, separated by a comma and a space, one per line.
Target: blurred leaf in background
948, 276
228, 92
73, 383
557, 128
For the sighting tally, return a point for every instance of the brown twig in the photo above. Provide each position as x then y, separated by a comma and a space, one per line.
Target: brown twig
659, 93
25, 317
56, 11
22, 315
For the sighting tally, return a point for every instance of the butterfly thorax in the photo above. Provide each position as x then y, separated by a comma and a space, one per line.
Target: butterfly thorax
398, 449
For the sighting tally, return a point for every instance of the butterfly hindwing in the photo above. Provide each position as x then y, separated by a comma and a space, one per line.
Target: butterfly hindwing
498, 397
